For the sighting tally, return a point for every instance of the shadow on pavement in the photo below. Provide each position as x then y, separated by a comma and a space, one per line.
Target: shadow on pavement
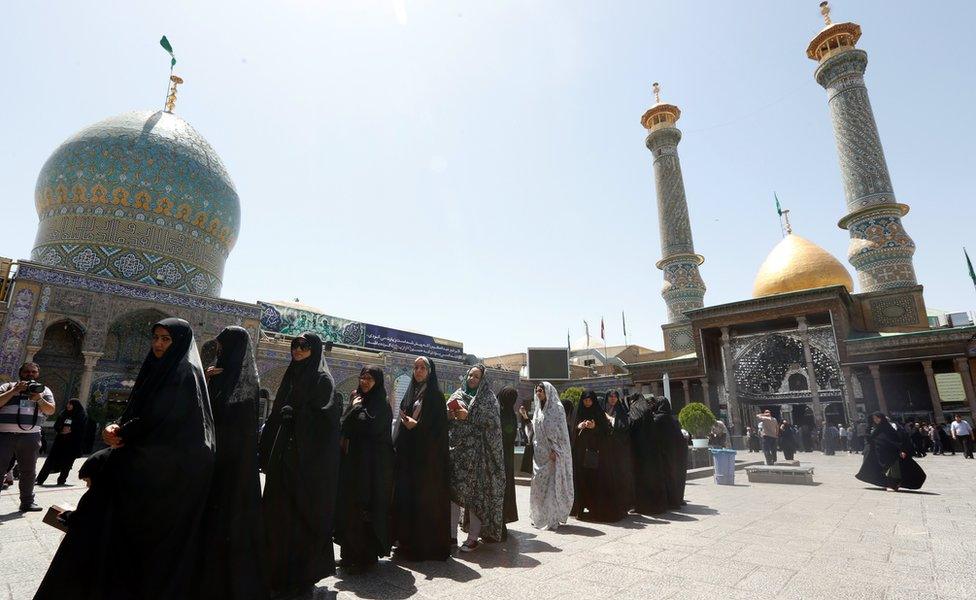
637, 521
451, 568
697, 509
675, 516
386, 580
11, 516
579, 530
512, 553
876, 489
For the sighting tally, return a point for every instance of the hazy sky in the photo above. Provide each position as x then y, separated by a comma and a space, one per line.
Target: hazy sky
477, 170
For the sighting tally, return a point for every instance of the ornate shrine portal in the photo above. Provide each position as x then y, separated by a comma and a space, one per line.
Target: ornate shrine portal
771, 371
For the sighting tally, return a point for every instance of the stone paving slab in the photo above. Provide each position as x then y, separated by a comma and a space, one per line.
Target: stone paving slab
837, 539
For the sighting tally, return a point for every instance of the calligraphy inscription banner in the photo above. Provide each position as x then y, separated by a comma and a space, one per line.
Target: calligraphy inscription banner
289, 320
395, 340
950, 387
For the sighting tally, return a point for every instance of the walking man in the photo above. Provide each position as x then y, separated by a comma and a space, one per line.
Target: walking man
963, 431
20, 429
769, 428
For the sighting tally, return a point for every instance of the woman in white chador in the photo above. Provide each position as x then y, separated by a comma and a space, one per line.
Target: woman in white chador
551, 497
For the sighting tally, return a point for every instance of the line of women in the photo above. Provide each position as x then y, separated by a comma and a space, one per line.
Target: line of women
616, 457
174, 507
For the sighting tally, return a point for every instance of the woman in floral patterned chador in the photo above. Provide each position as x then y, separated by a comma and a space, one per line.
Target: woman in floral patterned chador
477, 465
551, 496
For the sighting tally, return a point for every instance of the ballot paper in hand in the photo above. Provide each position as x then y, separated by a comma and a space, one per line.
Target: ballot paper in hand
456, 404
54, 515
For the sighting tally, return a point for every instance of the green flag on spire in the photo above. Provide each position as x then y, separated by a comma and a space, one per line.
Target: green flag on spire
969, 263
167, 47
779, 209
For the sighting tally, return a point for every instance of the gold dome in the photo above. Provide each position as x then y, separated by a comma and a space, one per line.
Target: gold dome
797, 264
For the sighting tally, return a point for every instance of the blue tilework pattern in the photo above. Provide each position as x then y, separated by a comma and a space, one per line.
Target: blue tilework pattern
140, 197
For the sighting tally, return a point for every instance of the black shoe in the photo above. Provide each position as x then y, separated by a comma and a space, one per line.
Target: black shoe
32, 507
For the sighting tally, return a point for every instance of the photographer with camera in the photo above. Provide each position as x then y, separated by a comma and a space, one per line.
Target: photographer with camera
20, 429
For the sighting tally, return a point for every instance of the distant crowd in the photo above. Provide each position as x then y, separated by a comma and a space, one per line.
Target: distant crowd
925, 437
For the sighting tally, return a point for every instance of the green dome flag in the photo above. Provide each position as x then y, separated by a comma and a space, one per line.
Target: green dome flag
969, 263
167, 47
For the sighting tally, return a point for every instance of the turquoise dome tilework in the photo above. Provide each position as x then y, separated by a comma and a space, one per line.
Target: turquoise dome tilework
140, 197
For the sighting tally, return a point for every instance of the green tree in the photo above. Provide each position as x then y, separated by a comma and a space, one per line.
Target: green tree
572, 394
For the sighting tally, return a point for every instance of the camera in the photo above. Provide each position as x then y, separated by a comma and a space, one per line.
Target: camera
34, 387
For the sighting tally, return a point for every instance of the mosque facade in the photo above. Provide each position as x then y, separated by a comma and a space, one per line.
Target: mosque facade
806, 345
136, 218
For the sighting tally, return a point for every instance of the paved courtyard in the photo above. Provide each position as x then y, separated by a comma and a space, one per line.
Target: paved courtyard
838, 539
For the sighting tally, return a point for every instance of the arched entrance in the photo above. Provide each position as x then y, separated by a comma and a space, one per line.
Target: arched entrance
771, 369
798, 383
834, 413
61, 361
129, 338
127, 343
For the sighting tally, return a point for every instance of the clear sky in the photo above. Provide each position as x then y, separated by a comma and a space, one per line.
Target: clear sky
477, 170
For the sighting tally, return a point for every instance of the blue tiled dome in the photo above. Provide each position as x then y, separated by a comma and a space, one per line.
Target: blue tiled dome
140, 197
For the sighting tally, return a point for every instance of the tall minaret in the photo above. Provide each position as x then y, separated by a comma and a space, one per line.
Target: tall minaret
683, 286
881, 251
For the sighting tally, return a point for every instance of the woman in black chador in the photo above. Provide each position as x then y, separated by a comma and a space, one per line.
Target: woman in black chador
619, 417
888, 459
233, 526
422, 495
650, 469
136, 532
506, 409
787, 440
596, 494
570, 411
365, 474
674, 449
70, 429
300, 456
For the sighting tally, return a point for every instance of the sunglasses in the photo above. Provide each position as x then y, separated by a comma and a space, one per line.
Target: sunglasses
300, 344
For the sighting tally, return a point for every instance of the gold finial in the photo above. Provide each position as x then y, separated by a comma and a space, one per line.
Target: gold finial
171, 98
657, 92
786, 221
825, 11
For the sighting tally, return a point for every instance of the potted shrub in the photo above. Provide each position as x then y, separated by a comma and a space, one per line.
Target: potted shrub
697, 419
